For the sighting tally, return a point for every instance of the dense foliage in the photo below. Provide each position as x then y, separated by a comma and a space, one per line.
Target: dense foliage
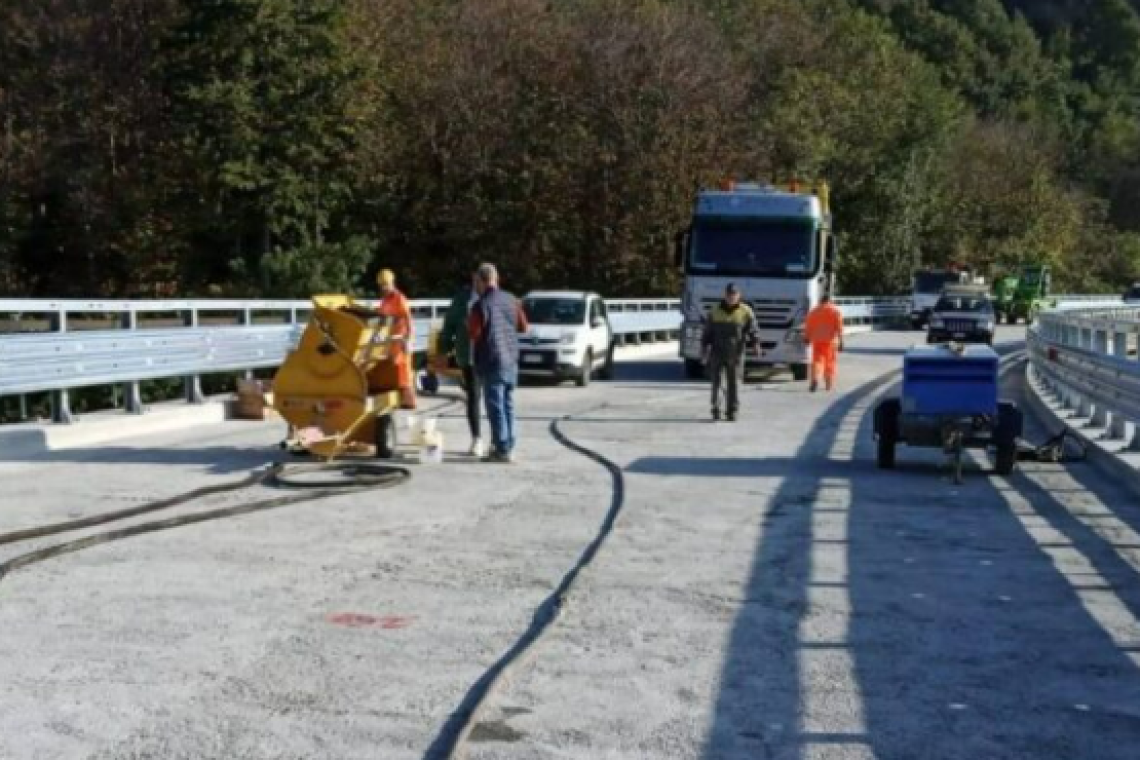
277, 147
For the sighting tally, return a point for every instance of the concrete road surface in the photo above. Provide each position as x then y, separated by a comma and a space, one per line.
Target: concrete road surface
767, 593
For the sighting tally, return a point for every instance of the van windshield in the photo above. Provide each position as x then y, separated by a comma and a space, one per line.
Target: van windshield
555, 311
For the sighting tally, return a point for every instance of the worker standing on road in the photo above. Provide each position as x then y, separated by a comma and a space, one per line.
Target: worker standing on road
496, 320
454, 339
823, 330
394, 304
729, 332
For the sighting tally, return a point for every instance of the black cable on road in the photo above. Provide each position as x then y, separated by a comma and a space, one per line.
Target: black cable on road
355, 477
451, 742
291, 476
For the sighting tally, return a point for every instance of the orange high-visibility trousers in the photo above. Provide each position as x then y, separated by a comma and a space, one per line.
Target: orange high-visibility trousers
396, 305
825, 362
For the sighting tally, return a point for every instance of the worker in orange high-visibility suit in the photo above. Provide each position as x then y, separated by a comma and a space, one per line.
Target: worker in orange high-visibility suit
823, 331
394, 304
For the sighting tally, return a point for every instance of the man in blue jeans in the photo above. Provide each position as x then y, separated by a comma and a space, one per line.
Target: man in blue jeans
495, 322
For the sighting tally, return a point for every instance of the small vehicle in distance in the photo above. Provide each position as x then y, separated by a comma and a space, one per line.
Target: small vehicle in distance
1132, 295
928, 287
570, 337
963, 314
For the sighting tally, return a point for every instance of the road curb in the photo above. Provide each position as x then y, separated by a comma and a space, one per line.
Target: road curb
1109, 457
34, 439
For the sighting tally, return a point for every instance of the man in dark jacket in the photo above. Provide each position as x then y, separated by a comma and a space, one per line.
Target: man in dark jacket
729, 332
454, 340
496, 320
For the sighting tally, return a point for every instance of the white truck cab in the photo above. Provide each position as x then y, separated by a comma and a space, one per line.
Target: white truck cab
570, 336
777, 246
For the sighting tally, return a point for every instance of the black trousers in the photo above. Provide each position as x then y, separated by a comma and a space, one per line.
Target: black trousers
727, 377
474, 399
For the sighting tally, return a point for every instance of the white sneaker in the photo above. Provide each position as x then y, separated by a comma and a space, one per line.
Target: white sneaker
477, 448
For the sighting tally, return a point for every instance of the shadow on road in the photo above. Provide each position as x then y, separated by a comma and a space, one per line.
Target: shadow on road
896, 616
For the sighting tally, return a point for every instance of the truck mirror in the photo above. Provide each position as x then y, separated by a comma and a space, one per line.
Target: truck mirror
832, 254
680, 246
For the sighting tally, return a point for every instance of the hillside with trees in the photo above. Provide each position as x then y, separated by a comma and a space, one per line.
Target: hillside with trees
155, 148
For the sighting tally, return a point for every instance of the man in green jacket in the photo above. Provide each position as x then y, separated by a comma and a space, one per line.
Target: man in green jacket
729, 331
453, 339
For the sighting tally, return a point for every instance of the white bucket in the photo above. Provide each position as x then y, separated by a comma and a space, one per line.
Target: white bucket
431, 449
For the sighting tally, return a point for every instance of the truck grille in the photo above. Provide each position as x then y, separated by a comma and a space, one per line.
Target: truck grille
961, 325
771, 313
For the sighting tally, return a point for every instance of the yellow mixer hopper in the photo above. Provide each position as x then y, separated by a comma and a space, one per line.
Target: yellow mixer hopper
339, 387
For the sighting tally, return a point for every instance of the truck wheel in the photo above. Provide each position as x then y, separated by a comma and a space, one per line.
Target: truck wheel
607, 372
385, 437
587, 370
799, 372
1006, 458
1009, 428
885, 456
694, 370
887, 432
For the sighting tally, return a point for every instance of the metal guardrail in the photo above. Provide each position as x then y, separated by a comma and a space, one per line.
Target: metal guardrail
1087, 358
199, 337
191, 343
868, 311
1069, 302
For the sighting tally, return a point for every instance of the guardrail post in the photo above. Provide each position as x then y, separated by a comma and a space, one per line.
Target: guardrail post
193, 383
61, 400
1100, 338
1118, 425
132, 391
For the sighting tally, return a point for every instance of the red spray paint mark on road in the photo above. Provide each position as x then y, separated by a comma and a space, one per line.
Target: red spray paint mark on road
357, 620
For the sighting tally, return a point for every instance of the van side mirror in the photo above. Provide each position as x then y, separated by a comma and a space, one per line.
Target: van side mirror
680, 248
598, 322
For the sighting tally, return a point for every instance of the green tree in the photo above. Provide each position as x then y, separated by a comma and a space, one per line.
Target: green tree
262, 92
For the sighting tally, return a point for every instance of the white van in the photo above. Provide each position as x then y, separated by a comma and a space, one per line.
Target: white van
570, 336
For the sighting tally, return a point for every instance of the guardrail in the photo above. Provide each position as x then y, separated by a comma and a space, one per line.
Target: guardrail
1087, 359
59, 345
1069, 302
871, 311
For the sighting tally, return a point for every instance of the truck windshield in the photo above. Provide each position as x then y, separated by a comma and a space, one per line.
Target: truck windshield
555, 311
753, 248
963, 303
933, 282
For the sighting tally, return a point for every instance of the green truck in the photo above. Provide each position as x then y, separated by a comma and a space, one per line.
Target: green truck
1020, 296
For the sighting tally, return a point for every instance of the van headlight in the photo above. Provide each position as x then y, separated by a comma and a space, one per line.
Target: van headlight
937, 323
568, 339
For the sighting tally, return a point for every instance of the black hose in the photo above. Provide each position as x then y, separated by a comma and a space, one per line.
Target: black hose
361, 477
451, 742
355, 475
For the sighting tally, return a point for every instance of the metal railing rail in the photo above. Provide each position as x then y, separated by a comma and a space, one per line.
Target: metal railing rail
199, 337
1087, 359
50, 346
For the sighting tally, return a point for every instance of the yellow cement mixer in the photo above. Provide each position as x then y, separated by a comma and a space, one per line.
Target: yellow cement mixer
339, 388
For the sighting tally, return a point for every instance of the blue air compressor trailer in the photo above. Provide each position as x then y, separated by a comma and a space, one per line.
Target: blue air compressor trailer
950, 401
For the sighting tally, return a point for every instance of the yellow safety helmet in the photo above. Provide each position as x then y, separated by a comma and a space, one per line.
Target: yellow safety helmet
386, 278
